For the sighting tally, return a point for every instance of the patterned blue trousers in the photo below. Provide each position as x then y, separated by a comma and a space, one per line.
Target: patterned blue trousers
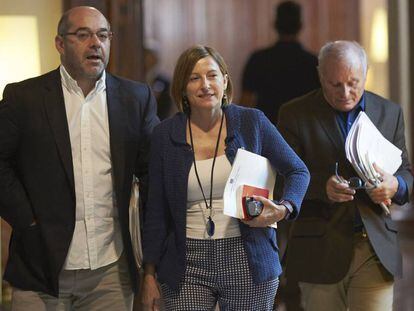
217, 272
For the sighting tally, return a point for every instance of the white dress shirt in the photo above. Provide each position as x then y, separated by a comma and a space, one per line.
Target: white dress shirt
97, 239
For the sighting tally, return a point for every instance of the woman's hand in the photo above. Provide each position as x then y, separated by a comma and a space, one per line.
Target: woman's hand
150, 291
271, 213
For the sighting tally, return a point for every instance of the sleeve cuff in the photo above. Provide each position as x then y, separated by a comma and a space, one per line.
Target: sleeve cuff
401, 196
289, 208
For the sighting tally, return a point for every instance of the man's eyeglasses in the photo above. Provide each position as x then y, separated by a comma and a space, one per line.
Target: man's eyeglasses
353, 182
85, 34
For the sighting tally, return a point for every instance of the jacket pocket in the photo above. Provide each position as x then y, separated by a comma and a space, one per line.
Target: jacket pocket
391, 225
32, 252
271, 235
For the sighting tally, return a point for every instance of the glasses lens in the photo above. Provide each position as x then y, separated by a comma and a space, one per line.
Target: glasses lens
83, 35
104, 35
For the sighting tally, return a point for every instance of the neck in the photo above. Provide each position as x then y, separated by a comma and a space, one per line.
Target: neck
288, 38
206, 119
86, 86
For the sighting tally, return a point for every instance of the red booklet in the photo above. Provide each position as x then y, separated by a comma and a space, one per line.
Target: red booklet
248, 191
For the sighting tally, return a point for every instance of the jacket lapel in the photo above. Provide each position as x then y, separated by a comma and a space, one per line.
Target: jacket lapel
372, 110
56, 114
327, 118
117, 124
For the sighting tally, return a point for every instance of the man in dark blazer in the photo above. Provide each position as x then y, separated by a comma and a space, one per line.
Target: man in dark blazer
70, 142
343, 248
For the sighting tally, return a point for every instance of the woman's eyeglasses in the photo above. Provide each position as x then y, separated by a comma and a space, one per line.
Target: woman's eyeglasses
353, 182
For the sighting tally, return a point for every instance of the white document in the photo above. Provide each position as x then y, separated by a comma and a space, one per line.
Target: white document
379, 149
365, 145
248, 169
135, 224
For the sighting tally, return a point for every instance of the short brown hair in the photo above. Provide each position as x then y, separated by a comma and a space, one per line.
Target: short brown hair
184, 67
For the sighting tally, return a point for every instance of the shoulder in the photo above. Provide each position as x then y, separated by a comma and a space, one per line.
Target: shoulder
170, 125
235, 111
304, 104
248, 122
309, 56
34, 83
261, 55
127, 84
381, 102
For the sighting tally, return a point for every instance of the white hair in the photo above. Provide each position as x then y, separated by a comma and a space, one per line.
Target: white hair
350, 52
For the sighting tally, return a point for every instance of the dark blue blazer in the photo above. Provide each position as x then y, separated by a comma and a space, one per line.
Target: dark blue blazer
36, 172
171, 159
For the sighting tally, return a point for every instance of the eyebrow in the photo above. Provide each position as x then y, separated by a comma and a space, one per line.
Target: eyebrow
210, 71
89, 29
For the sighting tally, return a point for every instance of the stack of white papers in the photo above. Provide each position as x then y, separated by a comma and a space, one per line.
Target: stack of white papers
365, 146
135, 223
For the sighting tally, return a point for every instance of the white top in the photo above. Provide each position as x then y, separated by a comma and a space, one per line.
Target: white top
97, 239
197, 213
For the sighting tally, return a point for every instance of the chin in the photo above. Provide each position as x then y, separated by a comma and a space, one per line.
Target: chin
94, 74
345, 107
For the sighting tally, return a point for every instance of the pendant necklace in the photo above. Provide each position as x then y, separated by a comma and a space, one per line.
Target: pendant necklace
210, 223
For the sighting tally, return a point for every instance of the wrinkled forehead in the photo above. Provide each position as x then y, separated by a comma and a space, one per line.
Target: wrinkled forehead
334, 67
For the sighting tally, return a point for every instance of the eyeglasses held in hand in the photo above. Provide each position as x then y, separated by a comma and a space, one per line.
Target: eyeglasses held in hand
353, 182
84, 34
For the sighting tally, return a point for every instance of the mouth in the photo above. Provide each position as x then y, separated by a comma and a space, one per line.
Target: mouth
345, 101
207, 95
94, 57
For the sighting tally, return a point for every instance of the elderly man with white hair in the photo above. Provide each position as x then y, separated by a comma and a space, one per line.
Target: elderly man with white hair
343, 249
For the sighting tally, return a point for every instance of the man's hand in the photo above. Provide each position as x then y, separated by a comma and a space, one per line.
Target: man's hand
151, 296
337, 191
384, 191
271, 213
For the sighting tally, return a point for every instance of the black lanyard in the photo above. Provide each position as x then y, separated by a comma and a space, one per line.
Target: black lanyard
210, 226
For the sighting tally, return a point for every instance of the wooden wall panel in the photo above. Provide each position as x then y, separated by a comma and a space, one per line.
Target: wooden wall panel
237, 27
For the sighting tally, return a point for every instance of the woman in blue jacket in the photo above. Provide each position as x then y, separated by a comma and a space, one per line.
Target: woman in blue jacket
198, 255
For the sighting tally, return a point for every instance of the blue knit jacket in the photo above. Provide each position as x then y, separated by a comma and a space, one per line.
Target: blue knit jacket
164, 238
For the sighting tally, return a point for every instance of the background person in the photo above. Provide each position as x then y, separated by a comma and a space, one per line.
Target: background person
279, 73
160, 84
70, 141
237, 264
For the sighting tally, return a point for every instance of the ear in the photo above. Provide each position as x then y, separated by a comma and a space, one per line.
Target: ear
318, 68
225, 81
59, 44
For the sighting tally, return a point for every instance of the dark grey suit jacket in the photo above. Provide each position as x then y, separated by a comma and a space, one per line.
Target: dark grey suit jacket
320, 246
36, 171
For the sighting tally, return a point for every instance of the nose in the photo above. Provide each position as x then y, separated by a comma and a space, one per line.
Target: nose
345, 90
94, 40
205, 83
